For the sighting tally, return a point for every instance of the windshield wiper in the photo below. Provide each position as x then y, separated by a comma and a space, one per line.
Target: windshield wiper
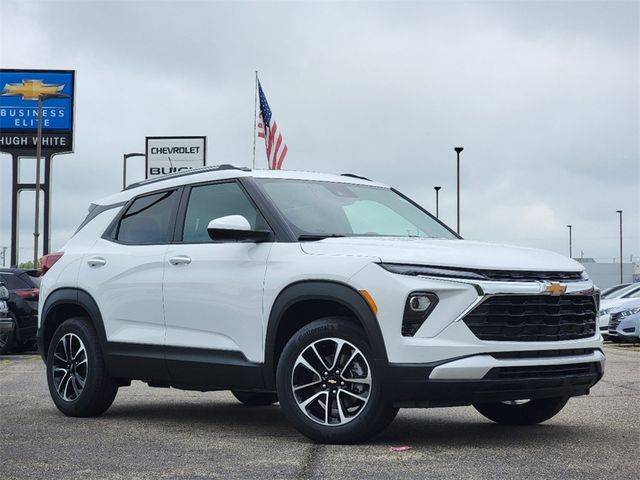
319, 236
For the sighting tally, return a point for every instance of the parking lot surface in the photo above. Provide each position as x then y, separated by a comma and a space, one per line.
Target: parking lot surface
163, 433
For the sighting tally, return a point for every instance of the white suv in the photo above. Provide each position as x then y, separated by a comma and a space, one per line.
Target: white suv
337, 296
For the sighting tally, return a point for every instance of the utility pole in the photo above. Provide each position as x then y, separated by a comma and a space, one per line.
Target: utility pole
437, 189
620, 213
570, 243
458, 150
4, 256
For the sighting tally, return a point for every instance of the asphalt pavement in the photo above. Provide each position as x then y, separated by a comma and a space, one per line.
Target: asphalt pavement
165, 433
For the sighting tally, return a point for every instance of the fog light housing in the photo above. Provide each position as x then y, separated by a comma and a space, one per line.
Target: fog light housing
419, 303
418, 307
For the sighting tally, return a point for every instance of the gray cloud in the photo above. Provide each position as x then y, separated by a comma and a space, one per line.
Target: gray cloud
543, 95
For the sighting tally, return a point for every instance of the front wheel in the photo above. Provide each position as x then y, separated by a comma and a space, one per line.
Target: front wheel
522, 412
76, 373
329, 385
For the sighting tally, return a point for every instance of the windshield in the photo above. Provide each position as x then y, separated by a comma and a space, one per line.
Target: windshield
324, 209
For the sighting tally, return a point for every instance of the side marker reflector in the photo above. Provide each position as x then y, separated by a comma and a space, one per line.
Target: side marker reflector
369, 299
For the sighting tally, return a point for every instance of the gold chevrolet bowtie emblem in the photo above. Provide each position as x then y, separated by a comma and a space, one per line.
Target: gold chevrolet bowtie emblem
555, 288
32, 89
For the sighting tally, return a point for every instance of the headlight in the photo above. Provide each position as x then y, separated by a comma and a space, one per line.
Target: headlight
417, 270
628, 312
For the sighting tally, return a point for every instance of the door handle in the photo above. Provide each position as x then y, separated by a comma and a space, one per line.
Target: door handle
180, 260
96, 262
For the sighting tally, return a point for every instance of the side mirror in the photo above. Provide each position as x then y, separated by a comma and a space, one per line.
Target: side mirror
235, 227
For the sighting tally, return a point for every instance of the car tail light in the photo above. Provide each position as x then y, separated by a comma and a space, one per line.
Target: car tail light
49, 260
31, 294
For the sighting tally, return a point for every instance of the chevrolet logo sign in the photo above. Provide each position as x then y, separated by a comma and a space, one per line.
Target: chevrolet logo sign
555, 288
32, 89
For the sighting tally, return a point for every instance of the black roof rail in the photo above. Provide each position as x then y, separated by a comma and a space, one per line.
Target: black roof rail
353, 175
212, 168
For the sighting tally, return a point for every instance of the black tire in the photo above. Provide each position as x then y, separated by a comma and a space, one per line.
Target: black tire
529, 413
255, 399
99, 389
8, 340
372, 418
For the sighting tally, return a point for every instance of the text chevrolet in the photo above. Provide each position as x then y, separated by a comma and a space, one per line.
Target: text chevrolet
335, 295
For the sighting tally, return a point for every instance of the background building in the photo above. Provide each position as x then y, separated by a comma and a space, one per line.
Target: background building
607, 274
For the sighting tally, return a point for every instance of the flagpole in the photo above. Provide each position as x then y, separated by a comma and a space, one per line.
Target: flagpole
255, 120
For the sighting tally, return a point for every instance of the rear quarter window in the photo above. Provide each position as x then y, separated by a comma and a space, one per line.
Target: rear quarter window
148, 219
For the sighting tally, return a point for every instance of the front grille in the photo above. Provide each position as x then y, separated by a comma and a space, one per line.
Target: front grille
525, 276
533, 318
542, 371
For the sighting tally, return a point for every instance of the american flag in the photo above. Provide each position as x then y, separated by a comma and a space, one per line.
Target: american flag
268, 129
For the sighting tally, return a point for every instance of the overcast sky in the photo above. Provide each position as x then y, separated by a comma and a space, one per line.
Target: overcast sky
544, 97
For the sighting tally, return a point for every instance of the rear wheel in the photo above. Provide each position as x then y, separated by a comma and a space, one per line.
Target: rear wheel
329, 385
522, 412
7, 341
76, 374
255, 399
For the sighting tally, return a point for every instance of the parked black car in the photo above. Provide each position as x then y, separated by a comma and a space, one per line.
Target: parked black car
23, 286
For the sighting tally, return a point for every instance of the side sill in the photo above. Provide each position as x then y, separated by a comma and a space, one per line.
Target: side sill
184, 368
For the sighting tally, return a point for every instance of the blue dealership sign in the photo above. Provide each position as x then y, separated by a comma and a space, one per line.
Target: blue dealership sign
19, 93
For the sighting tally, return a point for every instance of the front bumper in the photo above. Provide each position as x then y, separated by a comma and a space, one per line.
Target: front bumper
625, 330
485, 378
445, 335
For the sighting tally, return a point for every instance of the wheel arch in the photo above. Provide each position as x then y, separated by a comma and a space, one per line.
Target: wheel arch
328, 298
62, 304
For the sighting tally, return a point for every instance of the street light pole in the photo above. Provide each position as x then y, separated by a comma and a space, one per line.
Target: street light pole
570, 243
458, 150
125, 157
620, 213
437, 189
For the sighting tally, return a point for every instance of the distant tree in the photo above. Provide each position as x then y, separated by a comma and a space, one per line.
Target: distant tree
26, 265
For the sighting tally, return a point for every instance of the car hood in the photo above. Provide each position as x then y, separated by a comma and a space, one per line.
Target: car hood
446, 253
619, 303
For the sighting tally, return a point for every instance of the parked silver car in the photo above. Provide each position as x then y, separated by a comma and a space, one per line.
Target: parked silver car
624, 325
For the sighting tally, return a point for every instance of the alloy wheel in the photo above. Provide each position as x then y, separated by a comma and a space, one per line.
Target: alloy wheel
331, 381
70, 367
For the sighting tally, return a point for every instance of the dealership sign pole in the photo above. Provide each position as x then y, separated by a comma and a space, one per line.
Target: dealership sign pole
30, 129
